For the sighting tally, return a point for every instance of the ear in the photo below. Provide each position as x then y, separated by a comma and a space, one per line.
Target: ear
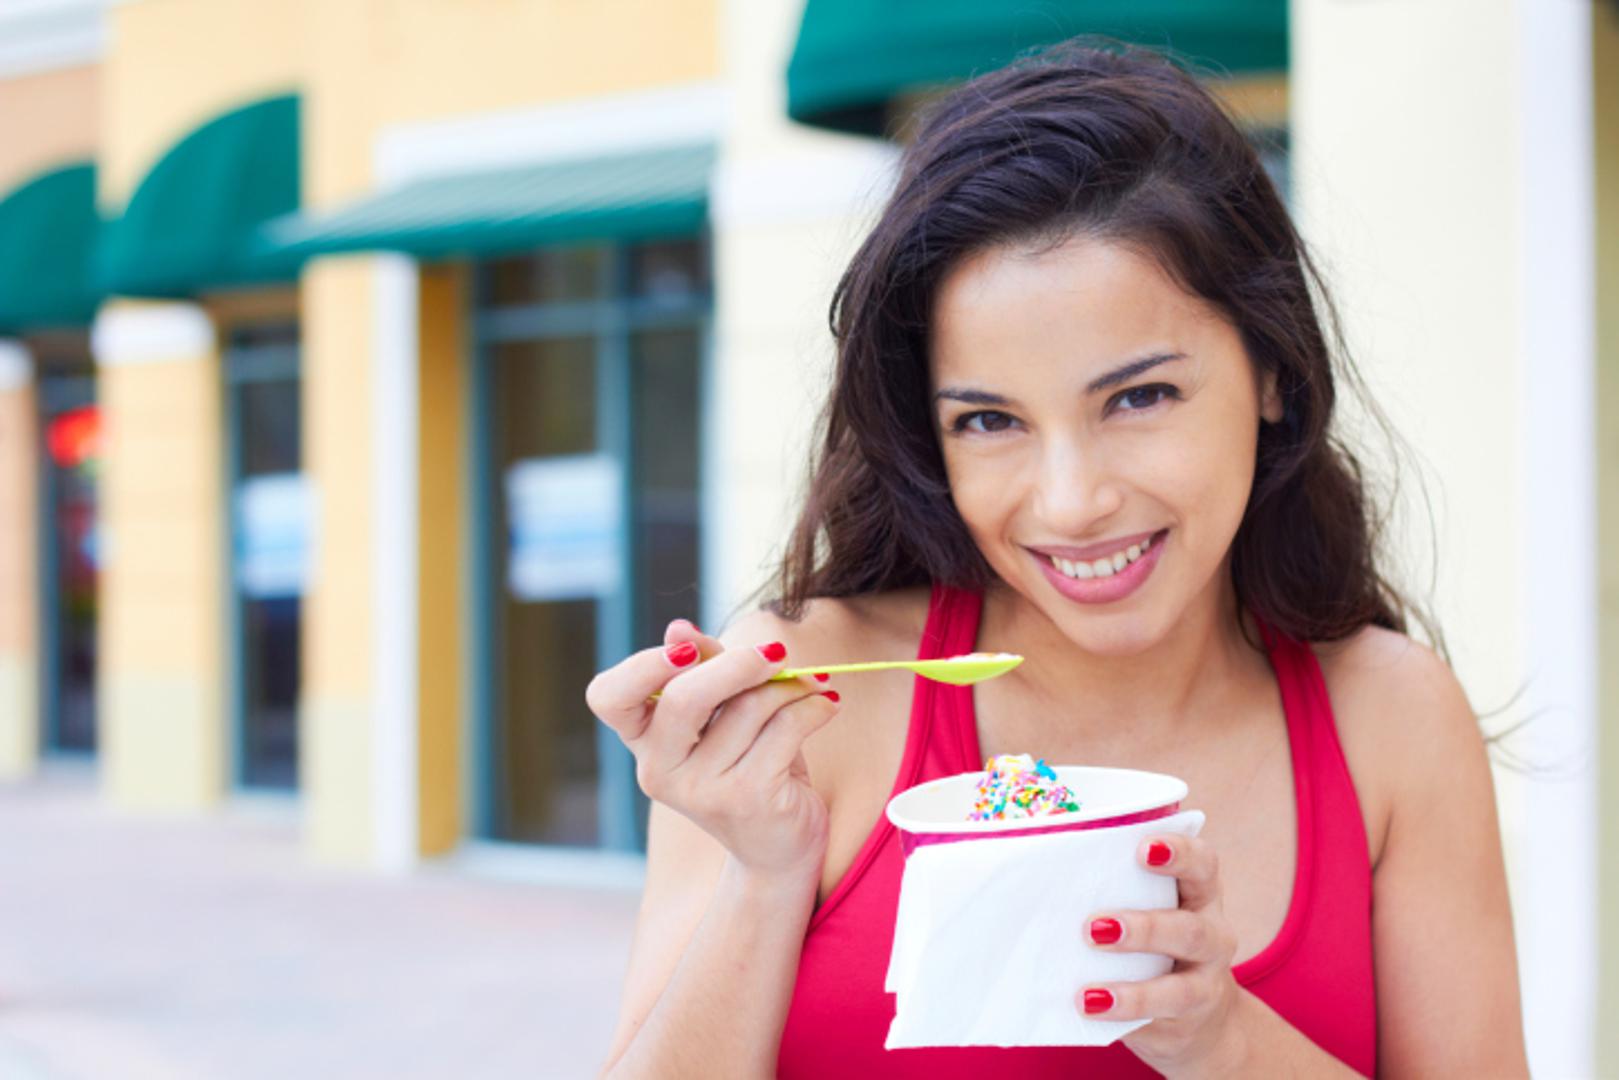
1270, 402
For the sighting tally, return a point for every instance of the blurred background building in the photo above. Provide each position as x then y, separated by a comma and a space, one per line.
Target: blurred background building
373, 373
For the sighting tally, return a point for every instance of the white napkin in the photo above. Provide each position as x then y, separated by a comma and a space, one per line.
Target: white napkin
990, 944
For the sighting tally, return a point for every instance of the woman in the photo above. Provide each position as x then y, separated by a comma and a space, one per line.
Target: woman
1081, 413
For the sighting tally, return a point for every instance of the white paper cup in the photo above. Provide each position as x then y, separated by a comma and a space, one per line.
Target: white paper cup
936, 812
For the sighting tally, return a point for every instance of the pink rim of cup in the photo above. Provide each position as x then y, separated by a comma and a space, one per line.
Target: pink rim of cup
935, 812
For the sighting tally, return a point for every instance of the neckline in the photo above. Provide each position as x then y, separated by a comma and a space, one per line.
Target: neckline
1285, 664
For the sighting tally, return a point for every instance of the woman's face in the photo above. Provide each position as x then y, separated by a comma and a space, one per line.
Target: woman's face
1065, 428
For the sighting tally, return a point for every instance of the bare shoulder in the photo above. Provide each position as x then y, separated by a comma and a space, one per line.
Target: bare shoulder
833, 628
1399, 710
1381, 676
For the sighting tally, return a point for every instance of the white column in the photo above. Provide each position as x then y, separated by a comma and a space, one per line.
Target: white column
394, 559
1556, 227
1443, 170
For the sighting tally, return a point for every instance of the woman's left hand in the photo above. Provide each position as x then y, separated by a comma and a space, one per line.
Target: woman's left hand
1193, 1008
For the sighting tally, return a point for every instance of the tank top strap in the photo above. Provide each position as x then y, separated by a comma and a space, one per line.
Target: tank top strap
942, 739
1323, 788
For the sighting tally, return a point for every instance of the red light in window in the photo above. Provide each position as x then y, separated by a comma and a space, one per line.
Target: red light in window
74, 437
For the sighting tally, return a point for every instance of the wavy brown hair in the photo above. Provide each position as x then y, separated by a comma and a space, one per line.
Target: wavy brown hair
1118, 143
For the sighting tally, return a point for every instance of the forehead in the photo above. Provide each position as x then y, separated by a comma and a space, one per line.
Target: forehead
1087, 302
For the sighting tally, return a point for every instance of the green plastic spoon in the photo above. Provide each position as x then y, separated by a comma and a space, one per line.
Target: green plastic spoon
961, 670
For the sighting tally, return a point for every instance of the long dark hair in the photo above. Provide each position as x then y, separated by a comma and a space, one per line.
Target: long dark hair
1099, 138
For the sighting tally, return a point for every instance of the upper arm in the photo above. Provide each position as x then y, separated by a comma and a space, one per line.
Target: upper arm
1446, 970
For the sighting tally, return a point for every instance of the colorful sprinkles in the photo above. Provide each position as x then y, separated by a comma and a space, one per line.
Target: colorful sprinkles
1018, 786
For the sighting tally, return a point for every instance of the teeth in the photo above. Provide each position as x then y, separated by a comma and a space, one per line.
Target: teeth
1102, 567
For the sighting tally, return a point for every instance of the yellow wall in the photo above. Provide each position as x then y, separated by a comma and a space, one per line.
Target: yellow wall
173, 65
337, 629
443, 465
372, 64
160, 695
1605, 98
19, 584
47, 119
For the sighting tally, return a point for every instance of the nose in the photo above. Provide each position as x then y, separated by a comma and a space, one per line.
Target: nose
1076, 490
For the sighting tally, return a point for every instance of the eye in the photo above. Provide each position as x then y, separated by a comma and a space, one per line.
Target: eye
1143, 398
991, 425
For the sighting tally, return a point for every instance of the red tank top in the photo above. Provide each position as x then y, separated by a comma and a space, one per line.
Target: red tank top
1317, 973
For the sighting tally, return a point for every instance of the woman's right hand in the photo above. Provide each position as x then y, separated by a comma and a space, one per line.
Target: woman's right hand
722, 745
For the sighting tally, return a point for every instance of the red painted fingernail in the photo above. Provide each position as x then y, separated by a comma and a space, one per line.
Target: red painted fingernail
775, 652
1106, 931
1159, 853
833, 694
1098, 1001
682, 654
821, 676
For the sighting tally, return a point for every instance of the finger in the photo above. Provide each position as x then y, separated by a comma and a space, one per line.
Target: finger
1188, 859
680, 630
1167, 996
618, 696
1189, 936
690, 698
784, 733
738, 723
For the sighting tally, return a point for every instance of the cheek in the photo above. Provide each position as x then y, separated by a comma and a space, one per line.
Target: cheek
1211, 474
984, 490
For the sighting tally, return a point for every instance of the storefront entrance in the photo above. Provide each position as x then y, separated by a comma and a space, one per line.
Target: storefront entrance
590, 372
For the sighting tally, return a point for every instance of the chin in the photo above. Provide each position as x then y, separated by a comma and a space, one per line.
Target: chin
1119, 634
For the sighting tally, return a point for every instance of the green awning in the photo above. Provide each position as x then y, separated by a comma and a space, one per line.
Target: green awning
48, 230
853, 57
191, 224
650, 193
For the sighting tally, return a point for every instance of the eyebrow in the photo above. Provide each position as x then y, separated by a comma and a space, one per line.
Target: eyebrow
1121, 374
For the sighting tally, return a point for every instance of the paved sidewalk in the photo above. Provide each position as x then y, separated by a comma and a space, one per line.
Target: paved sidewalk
148, 949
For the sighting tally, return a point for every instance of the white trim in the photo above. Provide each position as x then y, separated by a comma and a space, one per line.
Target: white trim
557, 867
152, 332
668, 116
394, 609
831, 181
1557, 365
16, 366
46, 35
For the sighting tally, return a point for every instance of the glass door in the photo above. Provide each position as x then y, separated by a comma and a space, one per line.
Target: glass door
557, 527
269, 527
589, 391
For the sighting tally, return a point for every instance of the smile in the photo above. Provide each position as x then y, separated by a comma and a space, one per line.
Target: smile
1106, 566
1105, 579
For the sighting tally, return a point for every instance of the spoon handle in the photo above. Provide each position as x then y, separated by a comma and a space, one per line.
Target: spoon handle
830, 669
839, 669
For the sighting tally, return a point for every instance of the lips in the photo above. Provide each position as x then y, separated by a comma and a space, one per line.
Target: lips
1111, 588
